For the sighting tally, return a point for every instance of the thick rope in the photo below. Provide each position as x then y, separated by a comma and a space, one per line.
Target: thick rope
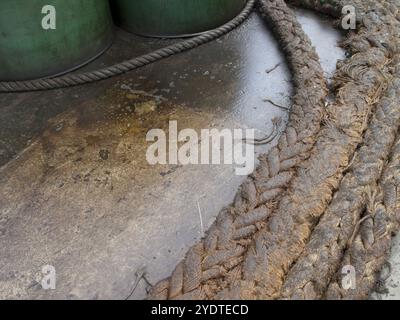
311, 274
258, 271
360, 82
369, 251
211, 264
70, 80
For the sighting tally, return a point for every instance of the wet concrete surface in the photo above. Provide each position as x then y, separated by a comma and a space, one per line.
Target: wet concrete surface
76, 191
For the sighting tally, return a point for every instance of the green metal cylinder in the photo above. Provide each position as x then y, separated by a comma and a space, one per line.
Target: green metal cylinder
168, 18
31, 48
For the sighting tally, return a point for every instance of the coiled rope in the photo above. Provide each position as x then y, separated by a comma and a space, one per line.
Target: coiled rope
271, 243
71, 80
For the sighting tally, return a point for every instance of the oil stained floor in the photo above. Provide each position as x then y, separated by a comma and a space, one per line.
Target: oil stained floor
76, 191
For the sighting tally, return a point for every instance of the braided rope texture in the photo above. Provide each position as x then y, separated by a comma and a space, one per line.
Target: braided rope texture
258, 269
358, 191
369, 250
70, 80
212, 263
360, 82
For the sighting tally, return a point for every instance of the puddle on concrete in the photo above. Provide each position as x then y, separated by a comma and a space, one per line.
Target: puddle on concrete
82, 196
326, 42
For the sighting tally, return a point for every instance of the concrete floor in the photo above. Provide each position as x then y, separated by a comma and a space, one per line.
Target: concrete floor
76, 191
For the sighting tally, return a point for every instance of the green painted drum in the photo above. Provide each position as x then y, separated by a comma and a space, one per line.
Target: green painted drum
168, 18
40, 38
